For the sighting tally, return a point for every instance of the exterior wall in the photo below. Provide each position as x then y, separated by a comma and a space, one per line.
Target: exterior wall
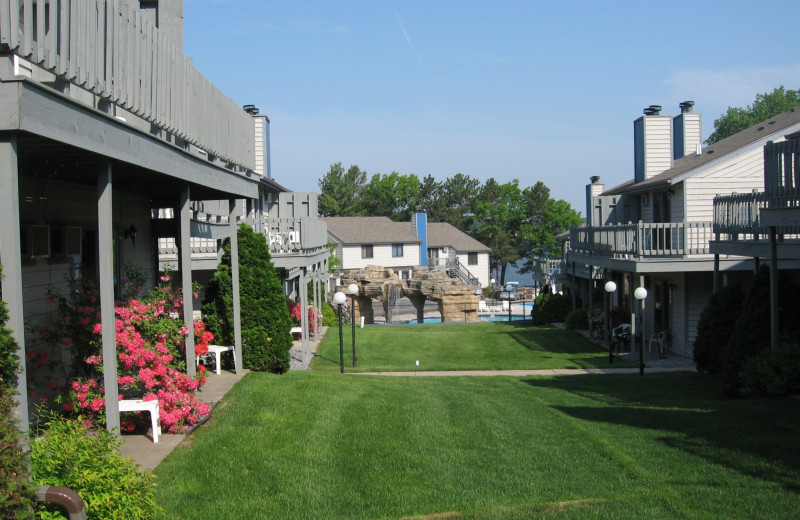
652, 146
700, 288
687, 130
481, 270
381, 255
742, 175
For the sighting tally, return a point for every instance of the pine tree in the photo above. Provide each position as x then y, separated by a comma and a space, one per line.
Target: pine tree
265, 317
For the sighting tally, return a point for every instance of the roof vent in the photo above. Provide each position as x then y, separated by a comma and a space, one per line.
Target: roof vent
251, 109
686, 107
652, 110
595, 179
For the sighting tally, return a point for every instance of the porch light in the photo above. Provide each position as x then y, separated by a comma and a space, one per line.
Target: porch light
353, 290
640, 294
131, 233
610, 287
339, 298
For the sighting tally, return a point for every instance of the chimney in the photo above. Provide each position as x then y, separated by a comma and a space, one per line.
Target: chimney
593, 190
652, 143
687, 131
420, 223
261, 125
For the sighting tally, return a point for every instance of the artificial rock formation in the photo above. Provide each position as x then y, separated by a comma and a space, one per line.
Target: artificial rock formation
457, 301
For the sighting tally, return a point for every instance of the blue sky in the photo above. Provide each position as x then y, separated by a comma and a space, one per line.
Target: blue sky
522, 90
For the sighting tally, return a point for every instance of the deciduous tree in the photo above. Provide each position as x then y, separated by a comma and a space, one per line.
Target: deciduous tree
765, 106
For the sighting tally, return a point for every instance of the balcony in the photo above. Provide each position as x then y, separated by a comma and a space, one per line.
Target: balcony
643, 241
108, 55
293, 236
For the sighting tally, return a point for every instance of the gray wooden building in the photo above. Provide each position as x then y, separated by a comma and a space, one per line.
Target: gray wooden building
111, 144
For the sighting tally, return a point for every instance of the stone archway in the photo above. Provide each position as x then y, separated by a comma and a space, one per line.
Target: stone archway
457, 301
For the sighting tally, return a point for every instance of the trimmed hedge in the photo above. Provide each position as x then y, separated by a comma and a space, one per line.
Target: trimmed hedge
715, 327
549, 308
577, 319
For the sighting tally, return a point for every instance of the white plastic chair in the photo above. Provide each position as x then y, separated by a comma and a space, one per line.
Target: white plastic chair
137, 405
217, 351
482, 307
658, 338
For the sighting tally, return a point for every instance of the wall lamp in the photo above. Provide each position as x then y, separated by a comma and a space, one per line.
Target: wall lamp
131, 233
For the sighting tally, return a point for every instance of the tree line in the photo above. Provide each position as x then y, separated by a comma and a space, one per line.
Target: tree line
517, 223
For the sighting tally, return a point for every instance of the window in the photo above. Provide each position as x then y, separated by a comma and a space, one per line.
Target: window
472, 258
397, 250
366, 251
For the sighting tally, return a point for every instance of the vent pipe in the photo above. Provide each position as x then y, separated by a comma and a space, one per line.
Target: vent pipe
686, 107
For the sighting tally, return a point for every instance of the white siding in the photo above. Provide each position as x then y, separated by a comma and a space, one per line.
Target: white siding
677, 213
658, 147
700, 288
381, 255
741, 174
481, 270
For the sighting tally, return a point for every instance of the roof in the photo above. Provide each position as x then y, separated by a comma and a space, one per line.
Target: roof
773, 128
441, 234
370, 230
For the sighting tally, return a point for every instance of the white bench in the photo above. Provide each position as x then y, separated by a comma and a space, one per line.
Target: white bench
217, 350
137, 405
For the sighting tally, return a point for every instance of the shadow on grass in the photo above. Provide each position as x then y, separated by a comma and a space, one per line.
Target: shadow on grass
756, 437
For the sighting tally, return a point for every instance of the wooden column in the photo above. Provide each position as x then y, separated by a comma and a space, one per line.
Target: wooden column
237, 300
773, 287
303, 281
11, 257
105, 246
185, 257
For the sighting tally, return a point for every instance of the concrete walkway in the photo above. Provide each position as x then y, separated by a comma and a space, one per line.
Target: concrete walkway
148, 454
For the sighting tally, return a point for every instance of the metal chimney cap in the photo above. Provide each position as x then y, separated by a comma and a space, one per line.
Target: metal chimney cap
250, 109
595, 179
686, 106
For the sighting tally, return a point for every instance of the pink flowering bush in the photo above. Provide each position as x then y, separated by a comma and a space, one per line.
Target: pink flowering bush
151, 353
296, 313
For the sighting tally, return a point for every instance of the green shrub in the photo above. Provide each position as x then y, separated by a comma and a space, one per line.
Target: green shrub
715, 327
329, 316
266, 340
577, 319
775, 372
16, 493
88, 461
549, 308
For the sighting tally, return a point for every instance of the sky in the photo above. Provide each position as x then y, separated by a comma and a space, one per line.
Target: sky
526, 90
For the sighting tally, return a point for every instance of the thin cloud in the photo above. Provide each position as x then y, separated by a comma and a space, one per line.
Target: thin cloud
405, 33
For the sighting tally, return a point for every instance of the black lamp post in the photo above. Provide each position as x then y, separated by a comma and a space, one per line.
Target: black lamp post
640, 294
610, 288
353, 290
339, 298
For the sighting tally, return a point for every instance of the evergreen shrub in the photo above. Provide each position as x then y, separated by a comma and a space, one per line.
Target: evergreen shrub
16, 493
577, 319
266, 340
715, 327
776, 372
549, 308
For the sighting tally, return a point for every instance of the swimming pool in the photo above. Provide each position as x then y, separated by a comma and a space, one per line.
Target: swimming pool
483, 317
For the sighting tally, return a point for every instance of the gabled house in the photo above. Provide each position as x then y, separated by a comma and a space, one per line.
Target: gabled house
402, 246
654, 230
765, 224
110, 140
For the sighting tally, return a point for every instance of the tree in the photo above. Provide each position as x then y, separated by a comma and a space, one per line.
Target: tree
393, 195
765, 106
499, 214
340, 191
265, 318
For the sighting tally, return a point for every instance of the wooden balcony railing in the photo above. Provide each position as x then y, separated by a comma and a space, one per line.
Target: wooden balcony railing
782, 173
295, 235
738, 217
110, 49
643, 240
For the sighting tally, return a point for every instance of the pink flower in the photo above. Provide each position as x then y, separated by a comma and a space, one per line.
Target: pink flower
67, 342
98, 328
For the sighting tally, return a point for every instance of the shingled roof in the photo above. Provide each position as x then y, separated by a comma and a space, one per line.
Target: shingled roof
441, 234
370, 230
757, 135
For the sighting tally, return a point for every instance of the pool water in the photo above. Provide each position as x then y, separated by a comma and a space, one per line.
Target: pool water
483, 317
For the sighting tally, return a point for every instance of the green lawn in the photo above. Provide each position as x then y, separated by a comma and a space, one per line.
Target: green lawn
319, 445
461, 346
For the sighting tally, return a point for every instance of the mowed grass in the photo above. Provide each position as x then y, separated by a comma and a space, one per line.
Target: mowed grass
315, 445
461, 346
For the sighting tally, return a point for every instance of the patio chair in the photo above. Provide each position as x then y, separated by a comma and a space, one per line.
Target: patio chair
138, 405
659, 339
505, 305
216, 351
621, 335
482, 307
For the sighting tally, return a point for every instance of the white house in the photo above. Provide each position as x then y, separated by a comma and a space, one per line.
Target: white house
654, 230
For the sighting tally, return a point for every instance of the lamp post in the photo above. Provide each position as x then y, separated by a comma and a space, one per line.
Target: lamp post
610, 288
509, 288
640, 294
493, 300
339, 298
353, 290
